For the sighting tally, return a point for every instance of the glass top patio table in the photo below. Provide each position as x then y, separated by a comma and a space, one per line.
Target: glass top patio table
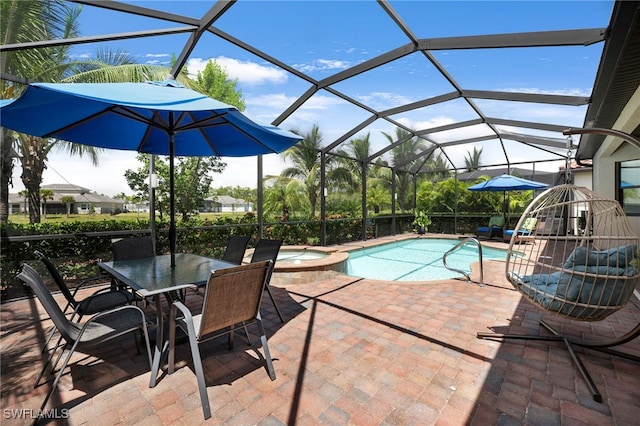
154, 275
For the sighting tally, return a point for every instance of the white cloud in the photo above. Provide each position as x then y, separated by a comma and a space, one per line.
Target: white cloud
265, 108
278, 101
81, 56
248, 73
426, 124
561, 92
314, 111
322, 64
384, 100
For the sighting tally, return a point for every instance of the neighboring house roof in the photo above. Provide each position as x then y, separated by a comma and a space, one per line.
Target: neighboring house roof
227, 200
66, 188
79, 193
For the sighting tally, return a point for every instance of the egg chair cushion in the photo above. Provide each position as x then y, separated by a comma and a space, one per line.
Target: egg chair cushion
618, 257
596, 286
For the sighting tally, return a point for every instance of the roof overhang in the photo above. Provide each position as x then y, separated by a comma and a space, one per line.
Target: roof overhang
617, 85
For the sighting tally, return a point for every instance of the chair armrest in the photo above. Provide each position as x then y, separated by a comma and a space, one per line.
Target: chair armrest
93, 318
116, 294
186, 322
178, 305
89, 280
112, 311
143, 323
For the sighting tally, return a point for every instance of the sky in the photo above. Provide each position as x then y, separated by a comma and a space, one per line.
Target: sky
325, 37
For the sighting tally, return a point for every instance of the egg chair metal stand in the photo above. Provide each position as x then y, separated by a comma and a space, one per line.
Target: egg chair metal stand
579, 262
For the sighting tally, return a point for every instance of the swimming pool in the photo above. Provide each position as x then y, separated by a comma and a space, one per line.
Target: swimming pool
416, 260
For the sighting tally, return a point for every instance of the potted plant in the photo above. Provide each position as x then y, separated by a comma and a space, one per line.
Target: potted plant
421, 222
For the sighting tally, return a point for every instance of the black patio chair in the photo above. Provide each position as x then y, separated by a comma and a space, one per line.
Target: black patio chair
132, 248
97, 330
98, 301
232, 300
236, 246
268, 250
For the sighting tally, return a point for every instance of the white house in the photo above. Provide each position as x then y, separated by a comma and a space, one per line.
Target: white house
85, 201
226, 204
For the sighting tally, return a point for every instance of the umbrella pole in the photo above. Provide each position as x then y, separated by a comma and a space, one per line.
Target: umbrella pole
172, 207
505, 208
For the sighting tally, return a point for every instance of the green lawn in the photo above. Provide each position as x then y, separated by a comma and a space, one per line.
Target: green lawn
51, 218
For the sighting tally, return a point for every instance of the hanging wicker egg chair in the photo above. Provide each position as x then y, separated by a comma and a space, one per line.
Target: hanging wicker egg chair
575, 254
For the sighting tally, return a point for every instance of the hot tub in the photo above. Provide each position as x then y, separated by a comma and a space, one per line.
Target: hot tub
307, 264
297, 256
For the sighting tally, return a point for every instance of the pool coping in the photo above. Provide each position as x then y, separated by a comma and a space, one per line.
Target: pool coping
334, 258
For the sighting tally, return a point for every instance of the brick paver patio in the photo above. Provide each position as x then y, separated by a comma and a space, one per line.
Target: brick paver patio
352, 351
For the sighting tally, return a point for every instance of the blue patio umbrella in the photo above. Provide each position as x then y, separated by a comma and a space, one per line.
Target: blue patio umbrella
162, 118
506, 182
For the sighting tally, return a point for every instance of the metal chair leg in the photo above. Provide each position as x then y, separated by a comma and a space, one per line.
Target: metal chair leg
274, 302
265, 348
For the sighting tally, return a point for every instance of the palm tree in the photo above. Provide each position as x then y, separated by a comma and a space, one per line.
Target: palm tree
33, 159
7, 155
22, 21
435, 168
24, 194
359, 149
29, 21
472, 160
44, 20
401, 154
377, 198
284, 196
45, 195
68, 200
305, 156
306, 163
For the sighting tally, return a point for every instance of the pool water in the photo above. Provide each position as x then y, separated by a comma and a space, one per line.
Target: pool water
416, 260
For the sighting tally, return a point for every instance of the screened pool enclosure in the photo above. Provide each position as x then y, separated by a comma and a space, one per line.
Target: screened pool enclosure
394, 92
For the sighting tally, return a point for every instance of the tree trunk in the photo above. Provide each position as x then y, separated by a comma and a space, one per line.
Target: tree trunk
32, 168
313, 200
6, 172
34, 204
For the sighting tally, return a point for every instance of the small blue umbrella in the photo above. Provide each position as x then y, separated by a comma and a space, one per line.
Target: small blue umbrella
507, 182
162, 118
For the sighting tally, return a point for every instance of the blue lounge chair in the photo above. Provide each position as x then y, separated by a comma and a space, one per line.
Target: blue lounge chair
493, 230
528, 226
